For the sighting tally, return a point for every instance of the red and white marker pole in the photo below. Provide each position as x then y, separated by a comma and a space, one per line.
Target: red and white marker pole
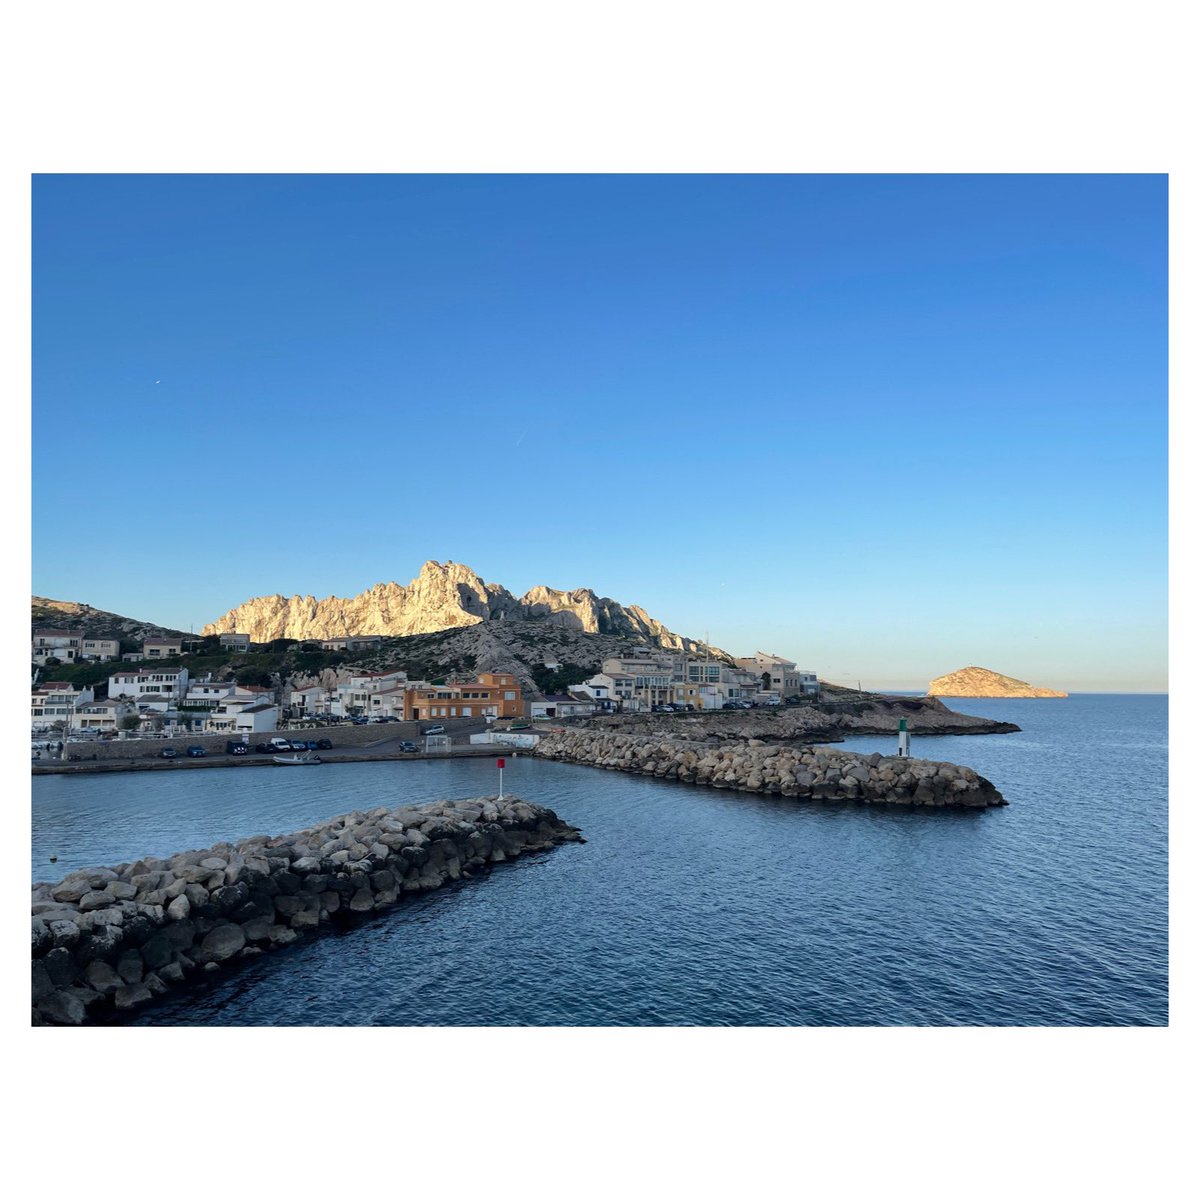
500, 764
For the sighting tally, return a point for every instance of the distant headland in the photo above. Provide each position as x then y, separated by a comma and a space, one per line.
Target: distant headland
985, 684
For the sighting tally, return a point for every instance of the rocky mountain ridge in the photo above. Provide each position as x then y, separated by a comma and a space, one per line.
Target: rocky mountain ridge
94, 622
984, 684
443, 596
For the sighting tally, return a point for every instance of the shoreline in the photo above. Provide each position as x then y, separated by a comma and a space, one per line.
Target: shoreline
328, 758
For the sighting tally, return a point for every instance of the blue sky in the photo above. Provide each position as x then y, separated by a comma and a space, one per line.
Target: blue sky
887, 425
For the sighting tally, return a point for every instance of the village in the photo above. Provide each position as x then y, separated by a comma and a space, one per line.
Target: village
152, 693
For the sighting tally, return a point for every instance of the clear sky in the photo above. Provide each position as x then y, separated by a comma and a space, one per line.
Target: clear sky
888, 426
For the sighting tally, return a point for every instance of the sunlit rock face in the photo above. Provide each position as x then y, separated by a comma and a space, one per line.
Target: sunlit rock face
443, 596
979, 681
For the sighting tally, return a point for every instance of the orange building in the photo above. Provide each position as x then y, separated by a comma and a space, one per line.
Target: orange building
491, 695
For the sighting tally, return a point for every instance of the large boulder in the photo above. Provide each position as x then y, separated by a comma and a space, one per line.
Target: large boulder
61, 966
221, 943
103, 978
132, 995
63, 1008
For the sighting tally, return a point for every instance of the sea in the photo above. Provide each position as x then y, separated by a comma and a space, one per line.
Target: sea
689, 906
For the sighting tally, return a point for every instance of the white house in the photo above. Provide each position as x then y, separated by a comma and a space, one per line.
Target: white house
618, 684
388, 702
255, 718
234, 641
133, 683
353, 643
246, 696
102, 716
354, 696
99, 649
208, 693
651, 680
786, 679
56, 700
307, 701
162, 647
63, 644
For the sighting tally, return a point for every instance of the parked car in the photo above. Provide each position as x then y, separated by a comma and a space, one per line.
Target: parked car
520, 725
358, 720
195, 752
435, 729
298, 746
280, 744
323, 744
311, 745
263, 748
168, 752
232, 747
408, 747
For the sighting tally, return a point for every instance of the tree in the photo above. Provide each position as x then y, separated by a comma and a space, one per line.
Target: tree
253, 677
131, 722
53, 662
766, 681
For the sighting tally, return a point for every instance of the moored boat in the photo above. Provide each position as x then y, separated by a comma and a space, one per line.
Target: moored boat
308, 758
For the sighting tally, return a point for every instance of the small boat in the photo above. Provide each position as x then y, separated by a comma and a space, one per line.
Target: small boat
308, 758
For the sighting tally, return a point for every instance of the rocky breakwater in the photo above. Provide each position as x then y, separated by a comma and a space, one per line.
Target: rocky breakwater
809, 773
108, 939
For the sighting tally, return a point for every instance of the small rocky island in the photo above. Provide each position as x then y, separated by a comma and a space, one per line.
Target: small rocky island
979, 682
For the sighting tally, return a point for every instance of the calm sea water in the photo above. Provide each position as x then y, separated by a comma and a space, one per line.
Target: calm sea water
689, 906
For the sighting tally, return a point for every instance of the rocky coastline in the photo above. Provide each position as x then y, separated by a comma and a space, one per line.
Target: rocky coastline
807, 773
818, 722
108, 940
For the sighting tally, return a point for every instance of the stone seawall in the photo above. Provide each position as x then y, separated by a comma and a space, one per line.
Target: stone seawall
811, 773
214, 743
113, 939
